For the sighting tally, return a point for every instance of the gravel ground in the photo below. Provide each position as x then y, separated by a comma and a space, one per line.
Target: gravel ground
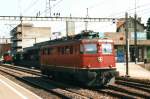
42, 93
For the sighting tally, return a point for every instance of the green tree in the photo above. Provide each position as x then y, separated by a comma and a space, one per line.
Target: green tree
148, 29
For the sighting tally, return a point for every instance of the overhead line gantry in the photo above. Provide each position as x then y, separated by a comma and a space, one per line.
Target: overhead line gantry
76, 19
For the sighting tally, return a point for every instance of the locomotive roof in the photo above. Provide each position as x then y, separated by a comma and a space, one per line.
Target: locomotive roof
31, 48
84, 36
67, 42
64, 42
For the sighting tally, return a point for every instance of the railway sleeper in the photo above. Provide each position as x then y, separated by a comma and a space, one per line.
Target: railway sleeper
125, 83
128, 91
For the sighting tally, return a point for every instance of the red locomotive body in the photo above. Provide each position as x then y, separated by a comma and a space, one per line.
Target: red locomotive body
97, 54
88, 61
7, 58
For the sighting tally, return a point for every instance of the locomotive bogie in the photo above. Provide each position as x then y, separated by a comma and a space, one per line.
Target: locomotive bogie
86, 77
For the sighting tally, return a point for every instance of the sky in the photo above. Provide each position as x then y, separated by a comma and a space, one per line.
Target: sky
75, 8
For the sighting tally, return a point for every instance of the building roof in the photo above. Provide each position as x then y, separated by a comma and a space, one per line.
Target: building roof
121, 22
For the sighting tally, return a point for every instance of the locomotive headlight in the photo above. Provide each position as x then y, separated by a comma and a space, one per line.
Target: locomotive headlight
100, 59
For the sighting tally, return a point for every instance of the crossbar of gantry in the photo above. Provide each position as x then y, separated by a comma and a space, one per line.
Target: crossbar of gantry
76, 19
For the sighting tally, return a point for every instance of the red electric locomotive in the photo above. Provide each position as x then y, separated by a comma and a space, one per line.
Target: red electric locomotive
85, 58
7, 58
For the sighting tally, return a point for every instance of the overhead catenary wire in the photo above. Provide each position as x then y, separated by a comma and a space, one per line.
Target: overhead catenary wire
111, 15
53, 6
122, 13
139, 6
129, 10
32, 4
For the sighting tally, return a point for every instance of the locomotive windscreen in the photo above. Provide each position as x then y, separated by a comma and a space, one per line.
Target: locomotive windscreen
88, 48
107, 48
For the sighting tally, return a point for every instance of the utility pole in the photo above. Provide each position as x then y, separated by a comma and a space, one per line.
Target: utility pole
21, 27
48, 7
21, 23
135, 36
35, 40
87, 16
127, 44
135, 40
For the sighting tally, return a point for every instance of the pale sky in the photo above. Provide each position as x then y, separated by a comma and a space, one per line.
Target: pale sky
97, 8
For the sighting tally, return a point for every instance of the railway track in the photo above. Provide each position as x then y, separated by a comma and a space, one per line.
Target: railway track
27, 70
40, 82
85, 93
129, 88
123, 88
144, 86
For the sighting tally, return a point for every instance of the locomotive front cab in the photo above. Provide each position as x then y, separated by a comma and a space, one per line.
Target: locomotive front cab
98, 54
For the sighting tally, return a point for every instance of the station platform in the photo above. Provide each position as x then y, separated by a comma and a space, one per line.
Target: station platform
135, 70
11, 90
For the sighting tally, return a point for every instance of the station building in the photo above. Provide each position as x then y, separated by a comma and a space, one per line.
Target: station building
143, 43
25, 35
120, 47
